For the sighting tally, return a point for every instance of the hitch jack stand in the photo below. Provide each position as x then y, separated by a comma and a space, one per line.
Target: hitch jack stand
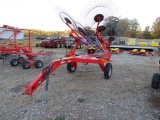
46, 90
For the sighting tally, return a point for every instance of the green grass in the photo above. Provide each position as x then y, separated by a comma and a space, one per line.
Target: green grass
60, 117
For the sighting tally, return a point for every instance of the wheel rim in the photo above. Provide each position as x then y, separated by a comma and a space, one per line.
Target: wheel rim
73, 68
15, 62
39, 64
26, 65
110, 72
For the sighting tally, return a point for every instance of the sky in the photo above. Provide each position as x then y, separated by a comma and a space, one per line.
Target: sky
42, 15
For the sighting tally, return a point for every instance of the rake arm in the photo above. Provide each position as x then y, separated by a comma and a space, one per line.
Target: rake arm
41, 77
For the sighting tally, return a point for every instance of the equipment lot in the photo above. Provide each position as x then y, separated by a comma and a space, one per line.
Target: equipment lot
84, 94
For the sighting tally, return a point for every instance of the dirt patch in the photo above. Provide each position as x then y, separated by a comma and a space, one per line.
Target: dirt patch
84, 94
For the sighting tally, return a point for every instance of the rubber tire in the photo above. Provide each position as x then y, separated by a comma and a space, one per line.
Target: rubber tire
57, 45
70, 68
38, 64
108, 71
62, 45
155, 80
37, 45
14, 62
24, 64
89, 51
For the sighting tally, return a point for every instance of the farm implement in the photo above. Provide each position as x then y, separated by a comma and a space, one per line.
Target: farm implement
140, 52
115, 50
78, 33
11, 35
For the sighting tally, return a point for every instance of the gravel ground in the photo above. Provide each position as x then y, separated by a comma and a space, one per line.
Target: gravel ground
85, 94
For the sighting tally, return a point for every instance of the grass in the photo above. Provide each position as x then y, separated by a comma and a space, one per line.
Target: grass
60, 117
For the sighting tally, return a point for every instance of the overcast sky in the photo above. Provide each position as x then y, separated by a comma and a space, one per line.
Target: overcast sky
41, 14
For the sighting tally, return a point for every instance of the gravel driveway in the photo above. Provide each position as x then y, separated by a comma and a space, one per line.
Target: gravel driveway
85, 94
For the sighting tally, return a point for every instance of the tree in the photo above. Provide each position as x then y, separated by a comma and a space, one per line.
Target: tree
89, 30
123, 27
134, 26
147, 33
111, 24
156, 27
57, 33
140, 34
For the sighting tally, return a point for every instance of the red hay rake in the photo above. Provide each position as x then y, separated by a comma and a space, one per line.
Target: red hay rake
11, 34
79, 33
71, 59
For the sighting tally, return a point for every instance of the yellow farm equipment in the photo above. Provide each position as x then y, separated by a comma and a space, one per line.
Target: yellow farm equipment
143, 44
154, 44
131, 41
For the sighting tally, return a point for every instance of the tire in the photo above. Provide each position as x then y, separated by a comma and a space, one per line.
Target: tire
57, 45
91, 51
38, 64
37, 45
155, 80
14, 62
25, 64
71, 68
108, 71
62, 45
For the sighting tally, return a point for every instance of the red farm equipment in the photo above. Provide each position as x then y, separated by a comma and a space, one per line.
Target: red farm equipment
140, 52
79, 33
11, 34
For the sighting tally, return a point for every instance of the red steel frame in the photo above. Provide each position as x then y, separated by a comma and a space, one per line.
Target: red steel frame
72, 59
16, 49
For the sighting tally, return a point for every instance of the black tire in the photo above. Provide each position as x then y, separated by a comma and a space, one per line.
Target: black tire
108, 71
155, 80
91, 51
37, 45
46, 46
71, 68
14, 62
38, 64
25, 64
57, 45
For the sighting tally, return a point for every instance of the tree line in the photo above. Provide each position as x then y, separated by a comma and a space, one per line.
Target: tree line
131, 28
44, 34
122, 27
